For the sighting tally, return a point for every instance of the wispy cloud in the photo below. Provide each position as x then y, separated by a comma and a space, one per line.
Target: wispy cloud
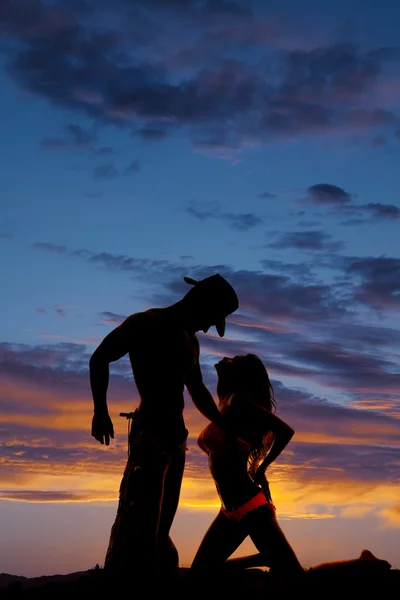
105, 171
308, 241
158, 84
47, 413
238, 222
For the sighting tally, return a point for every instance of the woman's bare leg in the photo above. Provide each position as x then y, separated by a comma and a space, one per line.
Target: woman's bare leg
220, 541
272, 544
366, 563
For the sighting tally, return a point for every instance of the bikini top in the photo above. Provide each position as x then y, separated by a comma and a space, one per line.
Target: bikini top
214, 438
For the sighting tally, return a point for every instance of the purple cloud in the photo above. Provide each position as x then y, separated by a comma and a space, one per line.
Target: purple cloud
380, 281
328, 194
137, 82
267, 196
61, 370
382, 211
110, 317
307, 240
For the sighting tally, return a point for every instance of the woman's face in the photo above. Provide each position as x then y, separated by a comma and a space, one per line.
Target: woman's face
225, 373
238, 362
230, 371
223, 363
238, 368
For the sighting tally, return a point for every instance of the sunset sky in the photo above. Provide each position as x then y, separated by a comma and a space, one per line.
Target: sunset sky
144, 141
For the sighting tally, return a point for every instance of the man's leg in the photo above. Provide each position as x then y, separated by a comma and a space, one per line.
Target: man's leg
117, 536
167, 552
132, 548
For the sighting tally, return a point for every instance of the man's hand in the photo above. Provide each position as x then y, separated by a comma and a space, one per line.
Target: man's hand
102, 428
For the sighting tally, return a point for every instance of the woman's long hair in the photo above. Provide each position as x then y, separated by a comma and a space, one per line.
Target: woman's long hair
247, 375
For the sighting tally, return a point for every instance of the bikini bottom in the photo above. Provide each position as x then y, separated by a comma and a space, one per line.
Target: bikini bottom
258, 500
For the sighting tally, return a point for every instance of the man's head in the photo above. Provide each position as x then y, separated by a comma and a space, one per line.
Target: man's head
213, 299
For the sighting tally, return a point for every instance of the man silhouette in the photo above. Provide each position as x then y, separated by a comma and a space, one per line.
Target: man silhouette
164, 353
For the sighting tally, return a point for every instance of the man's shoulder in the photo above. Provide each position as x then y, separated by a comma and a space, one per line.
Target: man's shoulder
152, 317
158, 320
138, 320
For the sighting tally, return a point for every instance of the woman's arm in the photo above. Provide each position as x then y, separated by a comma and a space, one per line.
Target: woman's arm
242, 412
279, 444
247, 411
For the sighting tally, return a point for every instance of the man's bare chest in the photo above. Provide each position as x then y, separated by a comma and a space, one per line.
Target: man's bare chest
177, 350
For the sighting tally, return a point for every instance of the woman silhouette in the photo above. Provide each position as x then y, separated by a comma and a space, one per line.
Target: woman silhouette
238, 456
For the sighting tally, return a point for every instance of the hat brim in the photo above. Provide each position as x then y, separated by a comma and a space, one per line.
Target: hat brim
220, 327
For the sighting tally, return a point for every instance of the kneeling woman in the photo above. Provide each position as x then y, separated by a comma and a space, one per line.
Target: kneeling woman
238, 457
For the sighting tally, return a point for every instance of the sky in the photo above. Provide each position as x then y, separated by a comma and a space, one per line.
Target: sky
145, 141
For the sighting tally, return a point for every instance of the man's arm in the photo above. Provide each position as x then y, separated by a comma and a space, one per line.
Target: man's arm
112, 348
201, 397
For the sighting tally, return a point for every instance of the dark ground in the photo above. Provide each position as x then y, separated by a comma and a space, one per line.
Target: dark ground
251, 584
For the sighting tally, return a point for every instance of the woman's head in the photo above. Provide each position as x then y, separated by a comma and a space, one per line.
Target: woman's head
245, 374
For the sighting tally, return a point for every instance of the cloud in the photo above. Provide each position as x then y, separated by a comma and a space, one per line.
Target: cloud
103, 150
382, 211
296, 294
138, 75
307, 329
239, 222
76, 137
343, 366
80, 136
267, 196
133, 167
51, 248
47, 451
152, 133
301, 270
107, 260
110, 317
60, 311
288, 298
338, 200
328, 194
53, 496
307, 240
53, 143
380, 281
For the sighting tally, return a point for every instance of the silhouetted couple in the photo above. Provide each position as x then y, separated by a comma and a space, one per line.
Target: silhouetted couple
243, 438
